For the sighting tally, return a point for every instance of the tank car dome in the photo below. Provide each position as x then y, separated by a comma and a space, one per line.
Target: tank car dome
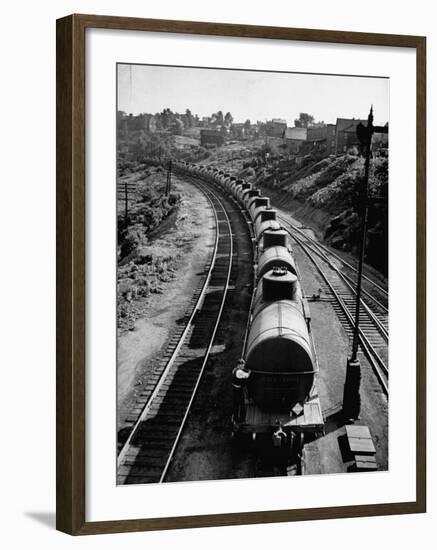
249, 194
258, 201
277, 284
269, 225
273, 237
258, 206
267, 214
275, 256
242, 187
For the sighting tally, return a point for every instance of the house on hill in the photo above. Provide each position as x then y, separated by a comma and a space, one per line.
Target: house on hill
208, 136
380, 140
136, 123
323, 136
346, 134
294, 138
276, 127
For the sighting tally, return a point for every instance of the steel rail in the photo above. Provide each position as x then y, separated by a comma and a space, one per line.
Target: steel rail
148, 404
211, 342
369, 350
310, 332
383, 330
250, 226
340, 259
346, 280
349, 283
320, 250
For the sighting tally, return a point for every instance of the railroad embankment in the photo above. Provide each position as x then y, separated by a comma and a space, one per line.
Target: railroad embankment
144, 264
324, 194
321, 191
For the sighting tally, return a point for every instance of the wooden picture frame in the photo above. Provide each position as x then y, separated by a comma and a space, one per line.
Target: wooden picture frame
70, 204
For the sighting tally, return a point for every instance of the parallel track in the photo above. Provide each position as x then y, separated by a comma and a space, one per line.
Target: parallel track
373, 333
372, 311
147, 453
373, 292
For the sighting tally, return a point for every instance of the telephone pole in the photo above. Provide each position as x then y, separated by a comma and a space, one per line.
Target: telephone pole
126, 204
168, 186
351, 395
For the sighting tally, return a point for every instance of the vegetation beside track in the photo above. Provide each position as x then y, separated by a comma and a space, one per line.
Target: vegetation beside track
321, 191
144, 264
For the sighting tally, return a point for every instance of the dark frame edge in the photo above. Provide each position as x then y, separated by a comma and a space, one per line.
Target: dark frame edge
248, 518
421, 461
245, 31
70, 275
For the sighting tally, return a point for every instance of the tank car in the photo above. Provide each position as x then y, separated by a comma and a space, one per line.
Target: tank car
256, 202
262, 226
277, 284
230, 184
249, 194
275, 256
279, 355
279, 352
236, 185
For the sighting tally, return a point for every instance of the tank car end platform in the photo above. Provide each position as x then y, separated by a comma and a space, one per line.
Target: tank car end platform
258, 421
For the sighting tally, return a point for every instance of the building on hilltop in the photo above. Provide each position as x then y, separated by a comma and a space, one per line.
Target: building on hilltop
208, 136
380, 140
294, 138
276, 127
330, 139
346, 134
323, 136
135, 123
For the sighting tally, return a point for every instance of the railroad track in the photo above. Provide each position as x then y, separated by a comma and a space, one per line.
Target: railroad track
170, 352
373, 333
372, 311
147, 453
373, 293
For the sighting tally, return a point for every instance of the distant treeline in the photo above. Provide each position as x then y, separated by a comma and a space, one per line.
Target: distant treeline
169, 120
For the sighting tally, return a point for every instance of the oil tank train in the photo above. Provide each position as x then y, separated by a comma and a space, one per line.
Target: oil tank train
280, 394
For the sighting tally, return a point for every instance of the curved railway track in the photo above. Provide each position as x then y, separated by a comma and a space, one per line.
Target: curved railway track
373, 333
372, 309
373, 292
148, 451
160, 416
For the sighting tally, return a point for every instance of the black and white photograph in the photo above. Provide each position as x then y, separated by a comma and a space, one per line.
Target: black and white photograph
252, 274
215, 228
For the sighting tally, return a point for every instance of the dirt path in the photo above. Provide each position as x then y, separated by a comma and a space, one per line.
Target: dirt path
189, 240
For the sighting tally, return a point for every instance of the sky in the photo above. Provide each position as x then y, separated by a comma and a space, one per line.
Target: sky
252, 95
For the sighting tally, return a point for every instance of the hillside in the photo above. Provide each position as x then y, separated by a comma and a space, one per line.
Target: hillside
322, 192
